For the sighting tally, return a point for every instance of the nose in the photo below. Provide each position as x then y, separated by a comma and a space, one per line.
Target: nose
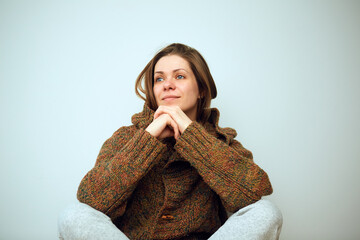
169, 84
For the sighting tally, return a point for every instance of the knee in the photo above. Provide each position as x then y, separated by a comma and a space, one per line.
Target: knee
71, 216
68, 215
270, 212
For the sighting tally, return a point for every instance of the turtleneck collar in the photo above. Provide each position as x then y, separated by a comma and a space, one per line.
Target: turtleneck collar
144, 118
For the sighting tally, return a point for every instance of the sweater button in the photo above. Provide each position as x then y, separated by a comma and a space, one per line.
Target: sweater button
167, 217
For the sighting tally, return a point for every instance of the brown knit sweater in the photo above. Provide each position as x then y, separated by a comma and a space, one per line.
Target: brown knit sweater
167, 189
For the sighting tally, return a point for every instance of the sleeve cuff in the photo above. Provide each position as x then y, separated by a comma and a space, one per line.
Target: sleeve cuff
141, 152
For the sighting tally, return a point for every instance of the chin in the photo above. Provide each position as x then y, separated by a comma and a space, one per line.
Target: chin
170, 104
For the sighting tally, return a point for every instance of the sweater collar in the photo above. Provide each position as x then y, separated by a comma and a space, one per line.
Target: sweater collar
144, 118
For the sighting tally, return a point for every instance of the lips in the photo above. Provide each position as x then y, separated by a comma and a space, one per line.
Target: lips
170, 97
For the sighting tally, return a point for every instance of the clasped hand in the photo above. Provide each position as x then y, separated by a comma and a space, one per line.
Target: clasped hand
168, 122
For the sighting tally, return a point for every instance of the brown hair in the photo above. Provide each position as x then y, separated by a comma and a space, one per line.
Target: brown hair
206, 84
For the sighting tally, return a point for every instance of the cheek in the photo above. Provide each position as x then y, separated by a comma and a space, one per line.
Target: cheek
192, 93
156, 92
195, 91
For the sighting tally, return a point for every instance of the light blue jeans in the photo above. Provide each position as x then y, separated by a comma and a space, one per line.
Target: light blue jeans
259, 221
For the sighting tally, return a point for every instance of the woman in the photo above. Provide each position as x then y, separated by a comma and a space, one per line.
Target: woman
174, 173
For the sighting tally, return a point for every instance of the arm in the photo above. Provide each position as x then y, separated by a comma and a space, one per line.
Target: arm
228, 169
123, 160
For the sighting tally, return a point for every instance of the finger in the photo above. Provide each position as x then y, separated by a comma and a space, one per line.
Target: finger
161, 110
181, 119
166, 126
167, 132
175, 127
174, 112
169, 127
158, 125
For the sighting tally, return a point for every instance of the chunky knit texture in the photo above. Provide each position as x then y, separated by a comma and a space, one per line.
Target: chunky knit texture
167, 189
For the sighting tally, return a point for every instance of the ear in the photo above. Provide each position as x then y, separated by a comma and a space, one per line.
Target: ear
201, 95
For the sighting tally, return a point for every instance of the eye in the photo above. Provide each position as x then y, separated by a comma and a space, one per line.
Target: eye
180, 77
159, 79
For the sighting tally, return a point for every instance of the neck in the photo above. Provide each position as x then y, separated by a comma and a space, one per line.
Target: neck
192, 115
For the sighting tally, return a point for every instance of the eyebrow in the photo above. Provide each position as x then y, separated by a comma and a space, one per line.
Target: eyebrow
175, 70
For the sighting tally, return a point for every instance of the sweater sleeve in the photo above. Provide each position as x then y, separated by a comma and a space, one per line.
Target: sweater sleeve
123, 160
228, 169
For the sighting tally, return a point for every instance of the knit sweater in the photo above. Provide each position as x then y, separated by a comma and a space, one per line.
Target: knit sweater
172, 189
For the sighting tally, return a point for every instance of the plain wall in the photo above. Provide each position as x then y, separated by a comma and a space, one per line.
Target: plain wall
288, 78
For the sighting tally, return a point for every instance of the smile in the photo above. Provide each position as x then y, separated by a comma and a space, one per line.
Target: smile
169, 98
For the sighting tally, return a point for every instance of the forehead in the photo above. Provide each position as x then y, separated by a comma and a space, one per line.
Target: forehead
169, 63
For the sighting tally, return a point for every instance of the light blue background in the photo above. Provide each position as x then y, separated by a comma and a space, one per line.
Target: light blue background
288, 77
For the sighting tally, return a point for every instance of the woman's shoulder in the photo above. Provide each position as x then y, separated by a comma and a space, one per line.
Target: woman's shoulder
121, 136
231, 132
125, 131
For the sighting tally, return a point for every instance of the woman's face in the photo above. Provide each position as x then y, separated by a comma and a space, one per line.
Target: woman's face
175, 85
